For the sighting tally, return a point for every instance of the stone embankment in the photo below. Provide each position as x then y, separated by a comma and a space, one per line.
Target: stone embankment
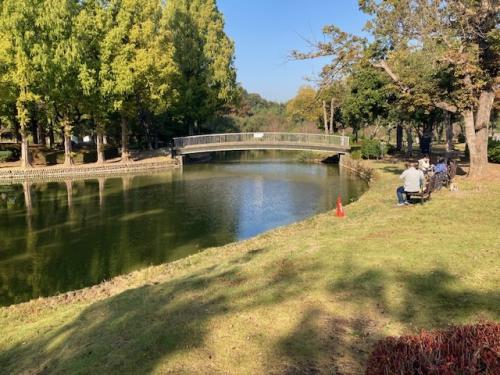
90, 170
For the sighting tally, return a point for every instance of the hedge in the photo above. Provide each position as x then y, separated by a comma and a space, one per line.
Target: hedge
6, 156
493, 151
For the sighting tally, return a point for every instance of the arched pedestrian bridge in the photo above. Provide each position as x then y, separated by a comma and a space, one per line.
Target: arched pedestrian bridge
260, 141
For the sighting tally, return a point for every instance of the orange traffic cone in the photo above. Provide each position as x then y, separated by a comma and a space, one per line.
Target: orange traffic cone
340, 210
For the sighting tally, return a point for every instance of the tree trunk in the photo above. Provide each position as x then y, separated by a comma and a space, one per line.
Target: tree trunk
439, 132
332, 111
51, 136
476, 132
325, 117
17, 132
34, 130
449, 133
149, 141
68, 151
25, 155
156, 140
41, 134
399, 137
125, 149
409, 140
100, 147
22, 114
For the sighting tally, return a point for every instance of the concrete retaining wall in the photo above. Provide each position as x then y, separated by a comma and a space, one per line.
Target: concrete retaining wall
83, 171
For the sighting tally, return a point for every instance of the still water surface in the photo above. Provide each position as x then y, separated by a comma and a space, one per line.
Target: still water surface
77, 233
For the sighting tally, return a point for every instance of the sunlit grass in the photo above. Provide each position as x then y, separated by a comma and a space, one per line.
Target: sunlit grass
310, 296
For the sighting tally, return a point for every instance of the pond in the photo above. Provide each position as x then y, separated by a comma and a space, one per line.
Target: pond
66, 235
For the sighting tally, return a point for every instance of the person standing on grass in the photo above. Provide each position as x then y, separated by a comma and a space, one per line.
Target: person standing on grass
413, 181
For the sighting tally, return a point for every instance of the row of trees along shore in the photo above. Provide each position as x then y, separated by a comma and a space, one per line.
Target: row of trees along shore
424, 61
108, 66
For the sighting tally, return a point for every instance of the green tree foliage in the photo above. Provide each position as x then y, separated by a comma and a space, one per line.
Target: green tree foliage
19, 40
151, 66
442, 54
204, 55
252, 113
494, 151
57, 58
369, 98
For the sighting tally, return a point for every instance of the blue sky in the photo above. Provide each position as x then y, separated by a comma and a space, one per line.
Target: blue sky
265, 31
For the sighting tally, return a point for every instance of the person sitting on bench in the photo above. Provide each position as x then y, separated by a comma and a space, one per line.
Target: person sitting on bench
424, 164
441, 171
413, 181
441, 167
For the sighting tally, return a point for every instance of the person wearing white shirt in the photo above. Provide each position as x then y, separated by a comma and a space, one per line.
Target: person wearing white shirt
424, 164
413, 181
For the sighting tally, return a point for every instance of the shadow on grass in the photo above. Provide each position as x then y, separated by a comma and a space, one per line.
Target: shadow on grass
137, 330
131, 332
393, 170
427, 299
326, 343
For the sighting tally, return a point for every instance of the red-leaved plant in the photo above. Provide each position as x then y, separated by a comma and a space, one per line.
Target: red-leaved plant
465, 350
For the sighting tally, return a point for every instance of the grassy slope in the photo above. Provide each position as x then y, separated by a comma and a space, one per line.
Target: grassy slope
310, 296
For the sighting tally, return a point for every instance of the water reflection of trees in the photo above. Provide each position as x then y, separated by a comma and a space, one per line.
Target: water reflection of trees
65, 235
76, 240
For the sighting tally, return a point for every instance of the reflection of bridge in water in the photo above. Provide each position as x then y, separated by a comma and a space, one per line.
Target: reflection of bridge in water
260, 141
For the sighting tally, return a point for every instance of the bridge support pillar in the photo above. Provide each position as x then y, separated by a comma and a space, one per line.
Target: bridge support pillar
341, 159
180, 159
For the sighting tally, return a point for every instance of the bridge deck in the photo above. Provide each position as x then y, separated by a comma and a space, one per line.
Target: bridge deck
260, 141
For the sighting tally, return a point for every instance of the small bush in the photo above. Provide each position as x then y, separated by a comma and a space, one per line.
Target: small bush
467, 350
12, 147
390, 149
6, 156
372, 149
356, 155
461, 138
493, 151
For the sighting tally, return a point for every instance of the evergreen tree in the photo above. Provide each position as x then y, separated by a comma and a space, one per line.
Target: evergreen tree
19, 39
204, 56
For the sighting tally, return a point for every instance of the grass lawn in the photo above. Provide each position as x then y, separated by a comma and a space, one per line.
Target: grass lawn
311, 297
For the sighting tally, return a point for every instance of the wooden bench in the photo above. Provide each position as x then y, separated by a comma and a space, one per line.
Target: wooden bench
426, 193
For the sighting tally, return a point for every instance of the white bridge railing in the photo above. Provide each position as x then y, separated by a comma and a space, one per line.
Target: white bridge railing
265, 138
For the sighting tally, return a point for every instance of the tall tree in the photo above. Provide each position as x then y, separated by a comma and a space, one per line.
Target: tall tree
137, 61
305, 106
59, 60
19, 39
91, 27
204, 56
460, 41
369, 97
